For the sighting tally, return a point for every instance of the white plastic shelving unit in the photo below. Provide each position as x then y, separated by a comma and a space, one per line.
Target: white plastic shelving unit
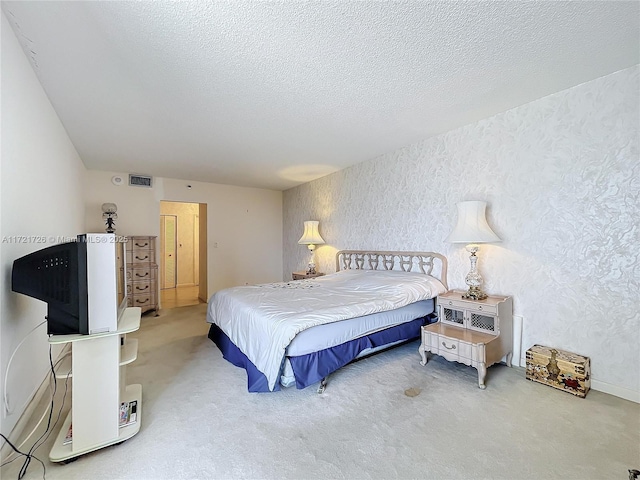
98, 366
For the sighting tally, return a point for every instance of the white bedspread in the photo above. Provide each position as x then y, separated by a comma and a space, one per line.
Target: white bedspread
262, 320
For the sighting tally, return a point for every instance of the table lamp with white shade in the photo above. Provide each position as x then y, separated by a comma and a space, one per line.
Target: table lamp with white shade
472, 228
311, 237
109, 214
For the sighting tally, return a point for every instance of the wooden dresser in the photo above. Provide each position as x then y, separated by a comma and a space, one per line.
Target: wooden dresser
142, 273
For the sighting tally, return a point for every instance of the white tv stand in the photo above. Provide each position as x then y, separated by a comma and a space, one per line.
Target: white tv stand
98, 365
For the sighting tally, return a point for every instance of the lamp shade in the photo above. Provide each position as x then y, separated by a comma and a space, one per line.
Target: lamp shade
311, 236
109, 208
472, 226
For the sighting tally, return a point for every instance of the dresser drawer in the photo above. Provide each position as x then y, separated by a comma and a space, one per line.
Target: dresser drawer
145, 302
140, 242
142, 300
142, 287
141, 255
141, 272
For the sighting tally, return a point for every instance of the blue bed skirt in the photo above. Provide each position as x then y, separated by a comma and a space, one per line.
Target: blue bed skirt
313, 367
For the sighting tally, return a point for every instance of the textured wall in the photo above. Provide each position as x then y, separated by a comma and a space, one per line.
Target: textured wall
561, 176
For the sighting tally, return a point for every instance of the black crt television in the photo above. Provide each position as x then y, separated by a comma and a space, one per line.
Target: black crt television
82, 282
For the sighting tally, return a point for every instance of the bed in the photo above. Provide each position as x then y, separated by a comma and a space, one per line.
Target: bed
299, 332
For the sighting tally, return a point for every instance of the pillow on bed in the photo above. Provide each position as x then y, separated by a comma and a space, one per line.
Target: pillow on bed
395, 276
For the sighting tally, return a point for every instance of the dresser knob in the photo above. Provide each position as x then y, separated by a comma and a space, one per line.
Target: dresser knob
450, 302
480, 307
452, 347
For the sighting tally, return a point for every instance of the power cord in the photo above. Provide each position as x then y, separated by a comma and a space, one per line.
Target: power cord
44, 469
44, 414
30, 454
53, 428
6, 373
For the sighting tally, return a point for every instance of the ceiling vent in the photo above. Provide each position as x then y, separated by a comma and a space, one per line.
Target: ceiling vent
140, 181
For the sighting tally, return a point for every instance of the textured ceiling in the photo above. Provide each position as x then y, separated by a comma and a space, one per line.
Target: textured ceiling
273, 94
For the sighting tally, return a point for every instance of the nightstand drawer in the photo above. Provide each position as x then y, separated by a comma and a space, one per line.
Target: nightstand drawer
452, 349
465, 350
448, 344
491, 309
462, 305
445, 347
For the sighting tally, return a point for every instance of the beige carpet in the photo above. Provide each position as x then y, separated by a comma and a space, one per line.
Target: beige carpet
199, 422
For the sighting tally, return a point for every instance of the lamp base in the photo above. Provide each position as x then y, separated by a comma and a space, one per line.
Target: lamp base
474, 293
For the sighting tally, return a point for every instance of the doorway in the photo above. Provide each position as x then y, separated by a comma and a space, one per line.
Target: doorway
183, 254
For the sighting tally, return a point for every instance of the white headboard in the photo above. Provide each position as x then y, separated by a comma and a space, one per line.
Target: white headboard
429, 263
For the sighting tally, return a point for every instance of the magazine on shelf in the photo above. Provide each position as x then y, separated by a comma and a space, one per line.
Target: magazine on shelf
68, 436
128, 416
128, 413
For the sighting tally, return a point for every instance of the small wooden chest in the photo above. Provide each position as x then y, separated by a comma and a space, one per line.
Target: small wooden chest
559, 369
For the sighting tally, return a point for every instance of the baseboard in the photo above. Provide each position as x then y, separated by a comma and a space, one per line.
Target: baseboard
604, 387
27, 414
21, 424
615, 390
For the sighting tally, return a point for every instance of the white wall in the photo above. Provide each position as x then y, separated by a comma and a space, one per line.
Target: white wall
41, 196
244, 225
561, 176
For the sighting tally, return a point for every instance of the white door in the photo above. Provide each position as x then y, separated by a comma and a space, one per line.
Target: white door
168, 242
